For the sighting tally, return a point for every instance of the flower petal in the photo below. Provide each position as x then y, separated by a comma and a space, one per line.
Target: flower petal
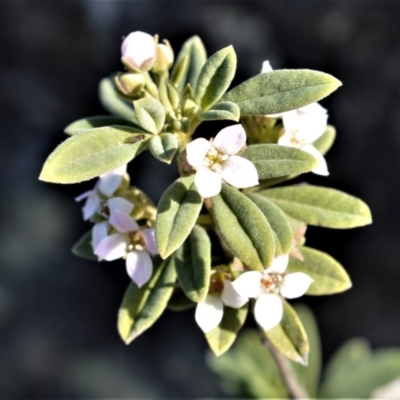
111, 247
248, 284
92, 206
288, 139
85, 195
230, 139
138, 47
150, 240
279, 265
322, 167
109, 182
268, 311
295, 285
230, 297
208, 182
389, 391
120, 204
123, 223
209, 313
266, 67
196, 152
139, 266
99, 232
239, 172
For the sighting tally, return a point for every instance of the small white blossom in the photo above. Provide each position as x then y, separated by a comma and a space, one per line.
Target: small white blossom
209, 313
139, 50
216, 160
389, 391
130, 242
268, 287
302, 127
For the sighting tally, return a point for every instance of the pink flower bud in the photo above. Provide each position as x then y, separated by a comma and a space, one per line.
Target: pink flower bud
139, 50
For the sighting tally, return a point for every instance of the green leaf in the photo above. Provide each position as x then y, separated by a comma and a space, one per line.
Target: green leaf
355, 372
150, 114
244, 228
83, 157
141, 307
164, 147
329, 276
189, 62
325, 142
320, 206
112, 102
289, 337
273, 160
215, 77
178, 210
223, 336
193, 264
281, 90
179, 301
169, 96
83, 247
224, 110
85, 124
279, 223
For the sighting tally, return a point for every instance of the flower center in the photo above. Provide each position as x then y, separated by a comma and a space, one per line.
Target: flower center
214, 160
294, 140
271, 282
136, 241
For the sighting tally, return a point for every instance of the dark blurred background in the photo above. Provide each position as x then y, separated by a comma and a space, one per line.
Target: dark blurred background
58, 334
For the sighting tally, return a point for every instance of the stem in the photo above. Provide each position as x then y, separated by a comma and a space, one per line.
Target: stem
295, 389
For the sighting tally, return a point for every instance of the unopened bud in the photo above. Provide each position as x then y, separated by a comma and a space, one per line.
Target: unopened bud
129, 84
164, 57
138, 51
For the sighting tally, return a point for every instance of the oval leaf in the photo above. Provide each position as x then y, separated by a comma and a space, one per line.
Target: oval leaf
83, 157
289, 337
164, 146
273, 160
325, 142
244, 228
329, 276
281, 90
83, 247
320, 206
140, 308
223, 110
278, 221
150, 114
112, 102
193, 264
179, 301
177, 213
223, 336
169, 96
215, 77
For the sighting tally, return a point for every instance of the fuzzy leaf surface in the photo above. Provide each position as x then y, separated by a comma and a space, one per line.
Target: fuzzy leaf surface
164, 147
150, 114
325, 142
281, 90
222, 110
83, 247
169, 96
244, 228
141, 308
178, 210
320, 206
179, 301
83, 157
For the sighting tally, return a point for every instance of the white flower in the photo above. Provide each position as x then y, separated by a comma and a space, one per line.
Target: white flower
209, 313
139, 50
302, 127
389, 391
106, 185
216, 160
129, 242
268, 286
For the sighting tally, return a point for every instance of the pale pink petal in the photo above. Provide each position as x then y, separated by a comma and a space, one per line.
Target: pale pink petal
108, 183
239, 172
208, 182
389, 391
85, 195
138, 47
279, 265
120, 204
230, 139
230, 297
111, 247
268, 311
150, 240
209, 313
196, 152
287, 140
322, 167
290, 120
123, 223
99, 232
266, 67
92, 206
295, 285
139, 266
248, 284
